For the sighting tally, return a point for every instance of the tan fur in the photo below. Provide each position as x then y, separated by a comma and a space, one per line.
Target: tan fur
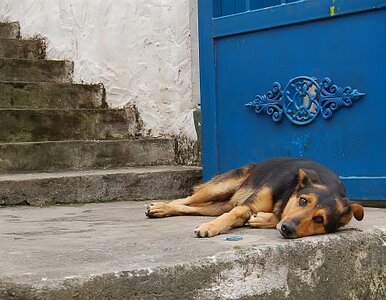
277, 207
339, 206
263, 220
357, 211
293, 209
302, 176
161, 209
235, 218
243, 193
345, 219
238, 216
320, 186
263, 201
212, 191
307, 227
209, 199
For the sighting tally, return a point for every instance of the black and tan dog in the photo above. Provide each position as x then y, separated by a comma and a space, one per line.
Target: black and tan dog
297, 196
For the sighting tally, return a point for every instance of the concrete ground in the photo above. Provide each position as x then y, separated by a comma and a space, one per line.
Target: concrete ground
112, 251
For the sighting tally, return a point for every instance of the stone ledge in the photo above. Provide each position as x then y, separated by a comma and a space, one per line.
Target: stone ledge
14, 69
76, 187
26, 49
111, 251
37, 125
86, 154
41, 95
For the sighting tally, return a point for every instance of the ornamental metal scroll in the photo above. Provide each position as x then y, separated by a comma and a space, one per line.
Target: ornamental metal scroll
303, 99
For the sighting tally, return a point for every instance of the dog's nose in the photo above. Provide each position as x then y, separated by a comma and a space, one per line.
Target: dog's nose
287, 229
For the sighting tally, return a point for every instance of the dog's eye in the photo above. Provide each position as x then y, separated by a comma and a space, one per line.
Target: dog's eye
303, 201
317, 219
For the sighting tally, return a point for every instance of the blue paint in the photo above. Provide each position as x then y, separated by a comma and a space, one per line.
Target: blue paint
243, 54
258, 4
233, 238
230, 7
303, 99
300, 144
294, 13
207, 83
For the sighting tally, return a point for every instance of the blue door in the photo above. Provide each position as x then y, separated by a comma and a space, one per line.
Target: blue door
296, 78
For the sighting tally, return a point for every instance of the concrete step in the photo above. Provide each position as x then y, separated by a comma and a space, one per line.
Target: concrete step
10, 30
13, 69
53, 95
81, 155
28, 49
124, 184
111, 251
56, 125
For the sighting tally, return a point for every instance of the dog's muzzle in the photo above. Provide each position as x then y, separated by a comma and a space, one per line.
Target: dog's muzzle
287, 229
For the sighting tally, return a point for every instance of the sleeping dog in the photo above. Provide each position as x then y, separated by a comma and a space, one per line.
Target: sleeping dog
299, 197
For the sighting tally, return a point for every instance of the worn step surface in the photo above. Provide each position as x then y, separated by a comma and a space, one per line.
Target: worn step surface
12, 69
10, 30
28, 49
81, 155
133, 183
111, 251
40, 95
55, 125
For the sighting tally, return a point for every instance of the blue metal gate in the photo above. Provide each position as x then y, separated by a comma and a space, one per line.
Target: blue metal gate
296, 78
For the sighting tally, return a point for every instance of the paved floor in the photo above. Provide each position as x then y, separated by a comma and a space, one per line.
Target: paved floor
69, 241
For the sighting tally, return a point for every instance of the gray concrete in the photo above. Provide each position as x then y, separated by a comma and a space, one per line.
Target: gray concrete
12, 69
40, 95
82, 155
28, 49
10, 30
111, 251
134, 183
54, 125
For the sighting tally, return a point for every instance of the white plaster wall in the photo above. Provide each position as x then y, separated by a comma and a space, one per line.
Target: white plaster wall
139, 49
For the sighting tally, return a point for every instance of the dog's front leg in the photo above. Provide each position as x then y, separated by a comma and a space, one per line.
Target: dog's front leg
263, 220
237, 217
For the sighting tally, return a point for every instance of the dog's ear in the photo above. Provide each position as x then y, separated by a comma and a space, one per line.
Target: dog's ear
349, 210
358, 211
307, 177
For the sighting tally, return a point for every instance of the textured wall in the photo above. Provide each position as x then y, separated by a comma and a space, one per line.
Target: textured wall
139, 49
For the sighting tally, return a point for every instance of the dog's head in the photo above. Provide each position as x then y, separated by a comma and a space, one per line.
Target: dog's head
314, 209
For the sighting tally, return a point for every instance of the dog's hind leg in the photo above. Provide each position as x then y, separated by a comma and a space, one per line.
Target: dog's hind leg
160, 209
219, 189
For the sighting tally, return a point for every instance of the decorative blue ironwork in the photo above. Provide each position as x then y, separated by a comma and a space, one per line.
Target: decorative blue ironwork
303, 99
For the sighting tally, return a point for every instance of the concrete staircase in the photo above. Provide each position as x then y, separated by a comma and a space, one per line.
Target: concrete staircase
61, 143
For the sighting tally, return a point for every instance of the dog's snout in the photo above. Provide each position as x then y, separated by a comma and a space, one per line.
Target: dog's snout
287, 230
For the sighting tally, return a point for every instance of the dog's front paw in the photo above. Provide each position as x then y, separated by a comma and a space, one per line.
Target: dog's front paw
207, 230
156, 210
262, 220
257, 220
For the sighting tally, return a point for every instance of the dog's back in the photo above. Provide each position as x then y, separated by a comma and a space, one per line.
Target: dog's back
281, 175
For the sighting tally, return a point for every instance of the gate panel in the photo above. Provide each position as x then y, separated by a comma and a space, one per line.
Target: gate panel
243, 55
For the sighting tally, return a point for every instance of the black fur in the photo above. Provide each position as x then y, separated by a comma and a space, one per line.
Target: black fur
282, 175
